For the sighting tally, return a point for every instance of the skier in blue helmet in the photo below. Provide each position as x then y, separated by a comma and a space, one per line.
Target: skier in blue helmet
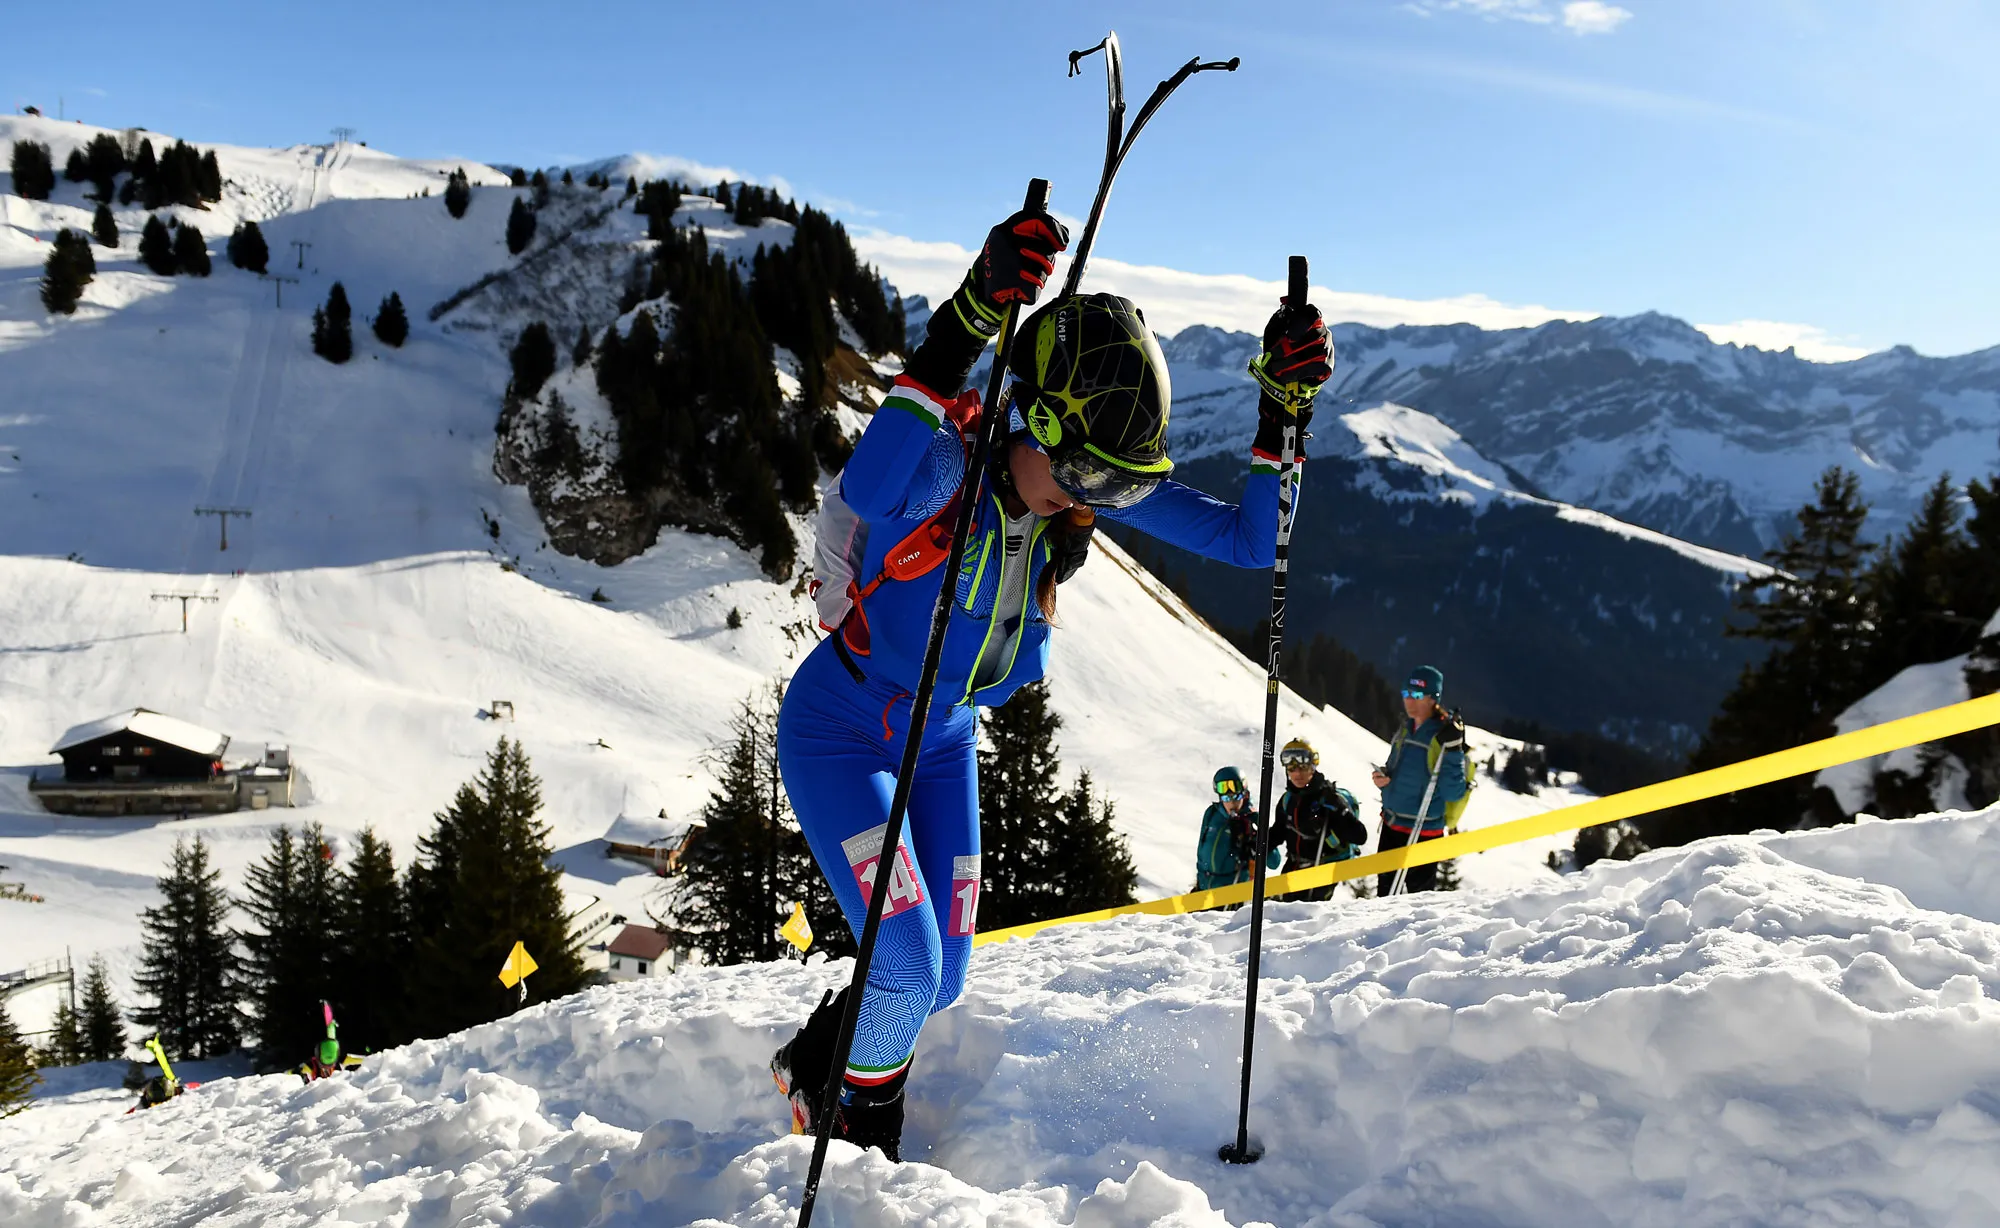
1087, 438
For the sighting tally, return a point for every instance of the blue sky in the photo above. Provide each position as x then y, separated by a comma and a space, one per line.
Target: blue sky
1825, 165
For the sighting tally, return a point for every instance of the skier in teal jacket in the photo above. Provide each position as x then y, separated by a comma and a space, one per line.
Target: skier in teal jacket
1226, 853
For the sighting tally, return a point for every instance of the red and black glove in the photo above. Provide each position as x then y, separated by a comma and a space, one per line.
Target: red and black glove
1011, 268
1296, 363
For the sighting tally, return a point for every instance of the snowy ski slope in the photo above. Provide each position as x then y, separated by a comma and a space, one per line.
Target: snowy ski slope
365, 614
1741, 1032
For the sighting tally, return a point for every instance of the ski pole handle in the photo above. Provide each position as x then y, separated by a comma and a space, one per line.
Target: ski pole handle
1038, 199
1296, 289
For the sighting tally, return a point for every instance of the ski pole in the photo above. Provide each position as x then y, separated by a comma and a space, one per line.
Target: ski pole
1242, 1151
1417, 833
990, 428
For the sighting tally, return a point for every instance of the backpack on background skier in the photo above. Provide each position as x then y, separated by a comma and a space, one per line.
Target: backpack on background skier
1451, 736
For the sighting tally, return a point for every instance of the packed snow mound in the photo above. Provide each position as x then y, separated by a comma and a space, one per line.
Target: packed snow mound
1739, 1032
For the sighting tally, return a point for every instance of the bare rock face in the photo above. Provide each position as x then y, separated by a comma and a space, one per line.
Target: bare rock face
585, 509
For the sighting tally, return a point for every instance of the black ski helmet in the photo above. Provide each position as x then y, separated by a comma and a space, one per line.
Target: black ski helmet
1097, 380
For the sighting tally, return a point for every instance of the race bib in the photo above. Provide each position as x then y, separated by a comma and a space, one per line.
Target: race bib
964, 896
906, 889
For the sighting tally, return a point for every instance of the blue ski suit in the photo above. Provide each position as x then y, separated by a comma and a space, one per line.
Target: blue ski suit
841, 738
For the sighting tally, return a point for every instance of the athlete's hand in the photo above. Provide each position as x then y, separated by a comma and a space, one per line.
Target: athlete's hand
1019, 255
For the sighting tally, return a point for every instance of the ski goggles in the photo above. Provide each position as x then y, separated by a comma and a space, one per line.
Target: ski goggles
1091, 477
1296, 757
1228, 789
1418, 693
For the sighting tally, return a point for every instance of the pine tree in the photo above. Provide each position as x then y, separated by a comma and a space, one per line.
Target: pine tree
103, 160
567, 181
288, 957
482, 883
457, 193
17, 1067
189, 966
533, 359
65, 1047
520, 227
392, 324
156, 247
179, 178
104, 227
371, 950
1915, 586
631, 186
333, 335
247, 249
145, 163
191, 251
581, 353
76, 168
69, 269
1818, 615
1094, 869
1018, 799
208, 182
750, 863
102, 1024
34, 170
518, 177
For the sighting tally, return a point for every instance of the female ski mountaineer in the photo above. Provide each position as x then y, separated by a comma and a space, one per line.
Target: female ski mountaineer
1087, 436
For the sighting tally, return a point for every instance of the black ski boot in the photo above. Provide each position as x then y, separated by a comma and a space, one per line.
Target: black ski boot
873, 1116
801, 1064
867, 1116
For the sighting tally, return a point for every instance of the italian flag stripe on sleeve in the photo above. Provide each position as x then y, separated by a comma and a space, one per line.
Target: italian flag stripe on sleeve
913, 398
1265, 462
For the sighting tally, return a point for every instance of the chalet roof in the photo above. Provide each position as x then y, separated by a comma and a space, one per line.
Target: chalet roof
650, 831
639, 942
147, 724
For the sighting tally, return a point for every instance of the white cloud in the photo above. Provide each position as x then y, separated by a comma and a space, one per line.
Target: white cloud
1172, 299
1812, 343
1578, 16
1593, 17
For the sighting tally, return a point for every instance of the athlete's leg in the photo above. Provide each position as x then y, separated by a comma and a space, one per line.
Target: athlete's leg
944, 812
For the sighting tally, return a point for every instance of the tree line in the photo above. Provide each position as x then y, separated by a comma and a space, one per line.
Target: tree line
1046, 851
180, 176
1843, 615
397, 955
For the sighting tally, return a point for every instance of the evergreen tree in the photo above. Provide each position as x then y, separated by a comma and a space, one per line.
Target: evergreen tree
179, 178
103, 160
333, 335
1018, 799
76, 168
247, 249
156, 247
102, 1025
518, 177
520, 227
581, 353
34, 170
287, 966
457, 193
104, 227
191, 251
145, 164
1914, 588
534, 360
69, 269
567, 181
1094, 869
1815, 608
208, 182
750, 862
189, 966
482, 883
17, 1067
631, 186
65, 1047
371, 950
392, 324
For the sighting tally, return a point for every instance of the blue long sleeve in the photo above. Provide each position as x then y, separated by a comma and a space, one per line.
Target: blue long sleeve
1242, 535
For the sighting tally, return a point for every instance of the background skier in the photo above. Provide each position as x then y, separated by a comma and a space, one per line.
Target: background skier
1317, 820
1228, 835
1406, 777
1087, 435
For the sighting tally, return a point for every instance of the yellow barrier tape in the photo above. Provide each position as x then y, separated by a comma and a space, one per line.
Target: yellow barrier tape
1799, 760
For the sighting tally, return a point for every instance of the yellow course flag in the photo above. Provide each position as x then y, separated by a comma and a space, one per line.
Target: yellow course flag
519, 964
160, 1056
797, 930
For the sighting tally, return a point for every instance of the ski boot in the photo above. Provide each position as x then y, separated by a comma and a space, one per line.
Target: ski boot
866, 1116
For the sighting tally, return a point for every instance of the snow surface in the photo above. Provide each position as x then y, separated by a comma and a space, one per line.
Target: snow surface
368, 617
147, 724
1739, 1032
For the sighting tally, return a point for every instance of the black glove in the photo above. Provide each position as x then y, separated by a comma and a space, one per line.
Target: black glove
1069, 549
1018, 257
1296, 363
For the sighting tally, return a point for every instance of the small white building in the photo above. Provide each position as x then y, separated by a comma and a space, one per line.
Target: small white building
640, 951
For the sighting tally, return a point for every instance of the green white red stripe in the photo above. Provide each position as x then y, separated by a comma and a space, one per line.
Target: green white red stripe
913, 398
875, 1076
1267, 462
